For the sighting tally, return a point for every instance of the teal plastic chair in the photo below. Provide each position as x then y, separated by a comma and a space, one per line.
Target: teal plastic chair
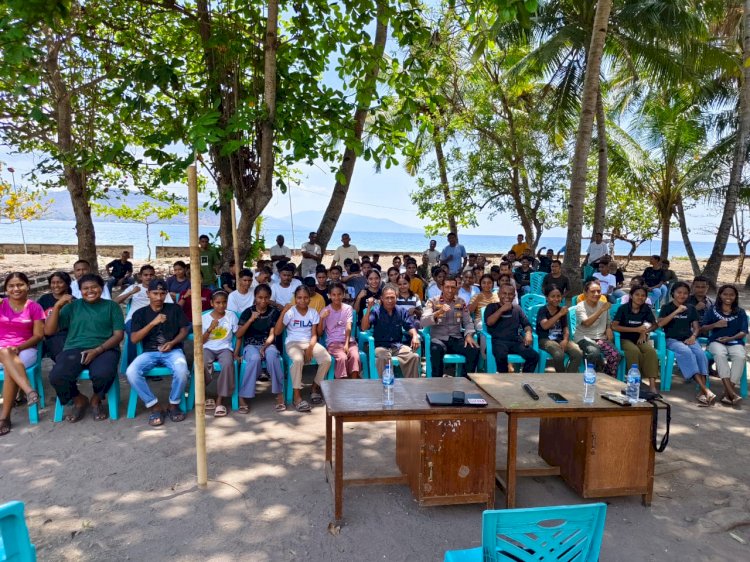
15, 544
563, 533
537, 278
491, 363
543, 355
113, 398
530, 300
588, 272
186, 404
448, 358
34, 373
367, 341
668, 367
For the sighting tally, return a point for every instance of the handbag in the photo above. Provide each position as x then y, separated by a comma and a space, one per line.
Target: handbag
658, 403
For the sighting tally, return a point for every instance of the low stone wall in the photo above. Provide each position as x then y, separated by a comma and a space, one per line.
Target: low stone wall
67, 249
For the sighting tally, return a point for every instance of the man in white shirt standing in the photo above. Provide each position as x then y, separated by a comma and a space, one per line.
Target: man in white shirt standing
280, 254
311, 256
433, 256
597, 250
346, 250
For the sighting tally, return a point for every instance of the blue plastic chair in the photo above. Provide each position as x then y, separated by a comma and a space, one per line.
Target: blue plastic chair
543, 355
34, 373
113, 398
588, 272
668, 367
562, 533
530, 300
537, 278
491, 363
185, 404
15, 544
448, 358
367, 341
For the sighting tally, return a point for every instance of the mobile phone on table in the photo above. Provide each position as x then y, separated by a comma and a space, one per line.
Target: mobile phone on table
557, 398
459, 397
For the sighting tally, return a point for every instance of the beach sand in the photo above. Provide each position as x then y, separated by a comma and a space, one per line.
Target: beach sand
120, 490
101, 491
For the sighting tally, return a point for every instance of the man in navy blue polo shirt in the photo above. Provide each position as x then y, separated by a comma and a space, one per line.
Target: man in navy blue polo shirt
388, 322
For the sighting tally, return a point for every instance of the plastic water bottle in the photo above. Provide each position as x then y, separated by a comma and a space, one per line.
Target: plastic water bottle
388, 380
589, 384
633, 380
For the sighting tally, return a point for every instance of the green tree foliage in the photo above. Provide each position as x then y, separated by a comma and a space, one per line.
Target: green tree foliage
146, 213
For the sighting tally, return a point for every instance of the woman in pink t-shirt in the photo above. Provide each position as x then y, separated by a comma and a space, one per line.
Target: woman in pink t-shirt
21, 329
336, 321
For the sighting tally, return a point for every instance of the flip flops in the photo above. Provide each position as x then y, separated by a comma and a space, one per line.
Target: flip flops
156, 418
280, 407
303, 406
32, 398
316, 398
99, 412
76, 414
5, 426
176, 415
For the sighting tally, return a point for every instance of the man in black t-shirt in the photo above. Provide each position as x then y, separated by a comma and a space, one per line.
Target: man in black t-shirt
545, 262
120, 272
504, 322
654, 277
557, 279
160, 328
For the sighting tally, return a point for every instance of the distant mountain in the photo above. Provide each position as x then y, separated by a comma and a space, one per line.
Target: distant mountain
61, 209
310, 220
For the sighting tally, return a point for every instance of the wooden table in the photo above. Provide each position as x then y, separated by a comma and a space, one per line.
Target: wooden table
436, 446
599, 449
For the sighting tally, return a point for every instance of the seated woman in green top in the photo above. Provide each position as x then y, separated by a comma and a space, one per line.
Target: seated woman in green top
95, 329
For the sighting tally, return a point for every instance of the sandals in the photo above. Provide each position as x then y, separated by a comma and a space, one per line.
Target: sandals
220, 411
76, 414
156, 418
32, 398
280, 407
176, 415
736, 400
711, 397
303, 406
244, 409
210, 404
316, 398
726, 400
99, 412
5, 426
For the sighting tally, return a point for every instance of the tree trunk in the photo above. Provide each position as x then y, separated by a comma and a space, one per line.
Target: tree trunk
740, 154
741, 262
600, 207
579, 164
344, 176
443, 169
686, 237
252, 204
666, 220
519, 177
75, 177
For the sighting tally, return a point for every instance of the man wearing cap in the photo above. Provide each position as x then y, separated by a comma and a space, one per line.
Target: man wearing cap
161, 328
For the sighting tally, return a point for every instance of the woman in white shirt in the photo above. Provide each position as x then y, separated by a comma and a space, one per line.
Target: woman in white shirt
217, 346
300, 322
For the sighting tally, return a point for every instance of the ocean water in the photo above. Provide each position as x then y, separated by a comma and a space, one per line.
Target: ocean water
63, 232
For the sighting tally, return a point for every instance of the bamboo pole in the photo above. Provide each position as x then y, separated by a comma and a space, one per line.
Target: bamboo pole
195, 302
236, 246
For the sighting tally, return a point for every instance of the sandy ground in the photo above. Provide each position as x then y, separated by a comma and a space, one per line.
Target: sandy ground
124, 491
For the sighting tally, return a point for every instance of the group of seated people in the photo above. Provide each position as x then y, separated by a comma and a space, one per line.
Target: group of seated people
245, 313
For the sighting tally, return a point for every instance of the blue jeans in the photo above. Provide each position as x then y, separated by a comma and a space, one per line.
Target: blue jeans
173, 360
252, 366
658, 295
690, 358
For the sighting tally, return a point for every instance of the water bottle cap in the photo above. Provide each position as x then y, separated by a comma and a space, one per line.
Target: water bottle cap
635, 366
